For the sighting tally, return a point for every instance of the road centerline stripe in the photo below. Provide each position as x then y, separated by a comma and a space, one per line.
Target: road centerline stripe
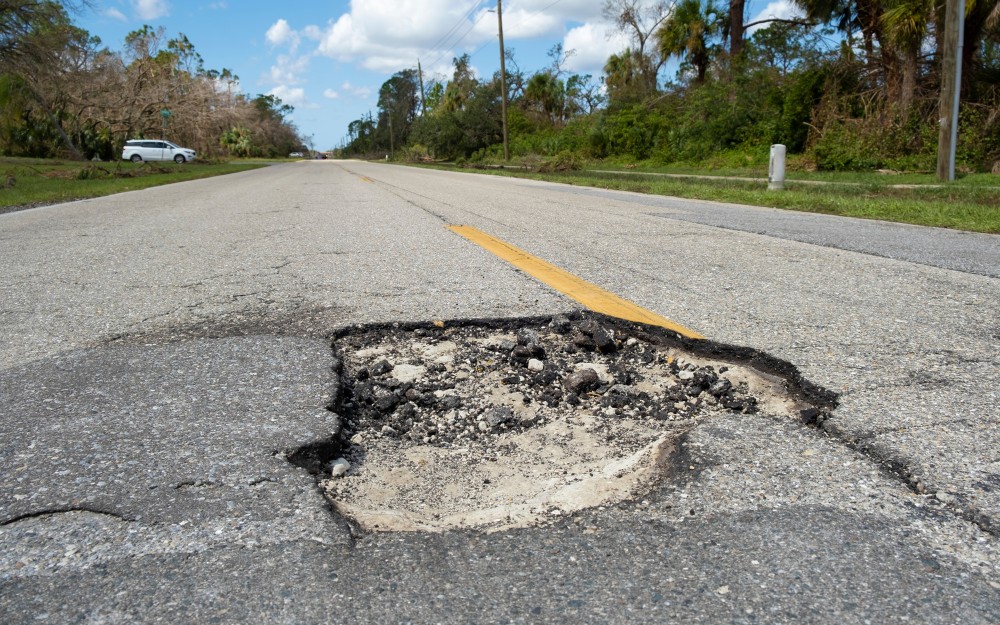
590, 295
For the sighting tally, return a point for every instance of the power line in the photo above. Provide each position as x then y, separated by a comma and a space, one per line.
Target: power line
519, 23
476, 23
449, 48
462, 21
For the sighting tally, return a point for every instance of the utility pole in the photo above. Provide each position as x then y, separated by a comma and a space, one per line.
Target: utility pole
423, 98
951, 88
503, 83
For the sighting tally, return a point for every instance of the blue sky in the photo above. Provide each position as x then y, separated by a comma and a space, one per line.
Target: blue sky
328, 58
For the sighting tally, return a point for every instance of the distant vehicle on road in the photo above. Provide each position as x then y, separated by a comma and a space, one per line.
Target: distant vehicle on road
295, 155
139, 150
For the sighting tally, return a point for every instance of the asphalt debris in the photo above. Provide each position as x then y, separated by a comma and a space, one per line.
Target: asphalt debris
442, 386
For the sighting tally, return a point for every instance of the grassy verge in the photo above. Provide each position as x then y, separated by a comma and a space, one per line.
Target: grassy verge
971, 203
35, 182
884, 178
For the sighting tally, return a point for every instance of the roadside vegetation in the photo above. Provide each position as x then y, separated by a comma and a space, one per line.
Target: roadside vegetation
26, 182
851, 88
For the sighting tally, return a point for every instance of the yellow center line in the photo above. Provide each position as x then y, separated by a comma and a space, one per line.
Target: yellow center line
590, 295
366, 179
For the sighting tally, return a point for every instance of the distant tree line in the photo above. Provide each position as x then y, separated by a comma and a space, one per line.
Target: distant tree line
853, 84
63, 94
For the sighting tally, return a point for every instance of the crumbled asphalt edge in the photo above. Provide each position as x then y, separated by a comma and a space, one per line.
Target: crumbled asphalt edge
315, 457
821, 400
575, 368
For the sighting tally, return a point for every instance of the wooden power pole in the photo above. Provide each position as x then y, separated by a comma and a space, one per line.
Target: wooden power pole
503, 83
423, 98
951, 88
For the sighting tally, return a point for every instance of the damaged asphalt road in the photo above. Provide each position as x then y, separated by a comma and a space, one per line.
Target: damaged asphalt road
160, 369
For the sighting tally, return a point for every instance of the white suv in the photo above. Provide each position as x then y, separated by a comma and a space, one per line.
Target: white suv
140, 150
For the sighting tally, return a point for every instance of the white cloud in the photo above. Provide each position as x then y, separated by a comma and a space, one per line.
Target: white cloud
519, 22
115, 14
330, 94
358, 92
151, 9
279, 33
296, 96
536, 18
592, 44
288, 70
572, 10
389, 35
781, 9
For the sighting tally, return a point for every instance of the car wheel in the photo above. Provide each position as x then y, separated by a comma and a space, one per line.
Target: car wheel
136, 158
179, 159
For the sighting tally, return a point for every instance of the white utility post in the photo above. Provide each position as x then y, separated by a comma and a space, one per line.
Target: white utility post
776, 168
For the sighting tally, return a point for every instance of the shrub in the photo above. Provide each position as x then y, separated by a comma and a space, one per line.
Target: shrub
93, 172
564, 161
631, 131
415, 153
844, 146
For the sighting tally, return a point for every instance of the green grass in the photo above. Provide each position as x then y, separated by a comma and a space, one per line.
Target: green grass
971, 203
35, 182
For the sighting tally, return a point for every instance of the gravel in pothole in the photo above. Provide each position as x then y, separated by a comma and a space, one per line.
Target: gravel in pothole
491, 426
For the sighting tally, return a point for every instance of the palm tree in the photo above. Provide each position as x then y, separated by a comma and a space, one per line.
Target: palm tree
548, 94
982, 21
622, 77
906, 26
687, 33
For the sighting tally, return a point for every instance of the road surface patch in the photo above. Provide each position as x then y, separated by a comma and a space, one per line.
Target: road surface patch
590, 295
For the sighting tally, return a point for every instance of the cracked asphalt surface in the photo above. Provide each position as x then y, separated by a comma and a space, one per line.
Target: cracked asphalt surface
164, 350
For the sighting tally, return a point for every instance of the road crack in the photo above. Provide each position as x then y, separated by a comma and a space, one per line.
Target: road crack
49, 512
903, 470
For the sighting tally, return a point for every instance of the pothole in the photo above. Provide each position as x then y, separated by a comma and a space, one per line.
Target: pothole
508, 424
